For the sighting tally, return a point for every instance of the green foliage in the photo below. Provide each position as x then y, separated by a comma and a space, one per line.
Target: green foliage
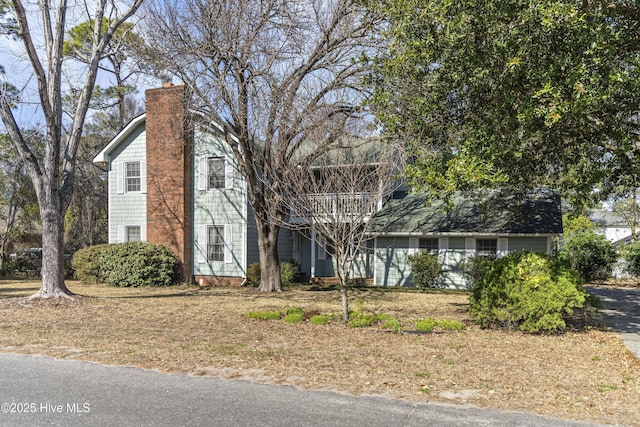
322, 319
426, 269
631, 254
294, 317
590, 254
264, 314
135, 264
526, 290
392, 324
289, 274
450, 325
426, 325
360, 320
511, 92
86, 264
572, 225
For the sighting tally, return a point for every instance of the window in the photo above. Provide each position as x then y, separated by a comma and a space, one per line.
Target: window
133, 234
429, 246
215, 243
216, 175
486, 247
132, 178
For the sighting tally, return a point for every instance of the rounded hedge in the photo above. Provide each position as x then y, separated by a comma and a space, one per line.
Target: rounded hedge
632, 256
590, 254
130, 264
528, 291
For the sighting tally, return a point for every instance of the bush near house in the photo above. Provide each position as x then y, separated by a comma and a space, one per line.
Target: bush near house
426, 269
631, 255
528, 291
289, 273
590, 254
130, 264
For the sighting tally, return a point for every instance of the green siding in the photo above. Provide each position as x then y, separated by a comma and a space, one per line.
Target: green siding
222, 206
127, 209
391, 254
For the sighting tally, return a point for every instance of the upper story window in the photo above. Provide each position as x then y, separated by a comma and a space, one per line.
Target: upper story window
429, 246
487, 247
216, 172
133, 177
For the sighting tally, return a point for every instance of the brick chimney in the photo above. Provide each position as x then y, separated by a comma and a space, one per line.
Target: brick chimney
169, 178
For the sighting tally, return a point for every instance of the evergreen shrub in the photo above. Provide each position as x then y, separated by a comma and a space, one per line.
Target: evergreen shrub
526, 290
426, 269
590, 254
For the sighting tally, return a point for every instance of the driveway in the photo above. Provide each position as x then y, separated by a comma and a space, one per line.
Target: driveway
621, 313
37, 390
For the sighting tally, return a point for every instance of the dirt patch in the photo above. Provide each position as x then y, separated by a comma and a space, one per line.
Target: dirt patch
586, 374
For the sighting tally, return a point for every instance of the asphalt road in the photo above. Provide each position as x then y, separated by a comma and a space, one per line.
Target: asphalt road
621, 313
37, 390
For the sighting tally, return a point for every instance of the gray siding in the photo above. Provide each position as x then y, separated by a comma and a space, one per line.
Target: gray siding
127, 209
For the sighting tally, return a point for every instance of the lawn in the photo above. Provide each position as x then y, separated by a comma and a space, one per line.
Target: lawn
585, 374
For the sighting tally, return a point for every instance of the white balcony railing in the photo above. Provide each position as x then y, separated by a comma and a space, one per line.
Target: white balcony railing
335, 207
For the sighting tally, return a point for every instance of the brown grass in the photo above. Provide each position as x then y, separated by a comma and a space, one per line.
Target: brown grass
587, 375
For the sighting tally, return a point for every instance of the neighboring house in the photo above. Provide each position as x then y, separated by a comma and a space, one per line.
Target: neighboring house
611, 226
173, 180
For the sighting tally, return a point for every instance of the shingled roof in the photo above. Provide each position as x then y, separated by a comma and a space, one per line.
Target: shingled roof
492, 213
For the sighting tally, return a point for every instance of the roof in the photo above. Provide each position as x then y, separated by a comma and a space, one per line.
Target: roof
494, 213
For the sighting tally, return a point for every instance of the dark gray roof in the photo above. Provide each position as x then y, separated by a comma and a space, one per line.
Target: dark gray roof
493, 213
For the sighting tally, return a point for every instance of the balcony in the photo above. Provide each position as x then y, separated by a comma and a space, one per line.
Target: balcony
341, 207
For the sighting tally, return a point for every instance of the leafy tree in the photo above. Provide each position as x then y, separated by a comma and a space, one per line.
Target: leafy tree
629, 211
118, 60
283, 77
513, 92
18, 204
590, 254
52, 170
573, 225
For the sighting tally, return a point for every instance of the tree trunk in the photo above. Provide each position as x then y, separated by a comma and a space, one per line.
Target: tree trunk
52, 272
269, 260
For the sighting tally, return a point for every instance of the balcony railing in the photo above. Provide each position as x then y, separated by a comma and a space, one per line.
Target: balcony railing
335, 207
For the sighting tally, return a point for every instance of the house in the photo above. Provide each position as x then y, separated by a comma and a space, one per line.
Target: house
173, 180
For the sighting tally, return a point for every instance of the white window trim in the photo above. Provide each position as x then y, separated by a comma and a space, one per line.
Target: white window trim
122, 232
121, 178
203, 242
203, 173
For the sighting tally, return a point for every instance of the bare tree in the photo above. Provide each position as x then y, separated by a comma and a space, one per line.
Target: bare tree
273, 72
52, 170
337, 194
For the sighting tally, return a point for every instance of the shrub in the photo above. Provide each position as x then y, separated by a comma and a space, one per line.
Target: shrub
86, 264
359, 320
450, 325
391, 324
294, 317
590, 254
321, 319
527, 290
289, 273
426, 325
632, 256
426, 269
253, 275
264, 314
134, 264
